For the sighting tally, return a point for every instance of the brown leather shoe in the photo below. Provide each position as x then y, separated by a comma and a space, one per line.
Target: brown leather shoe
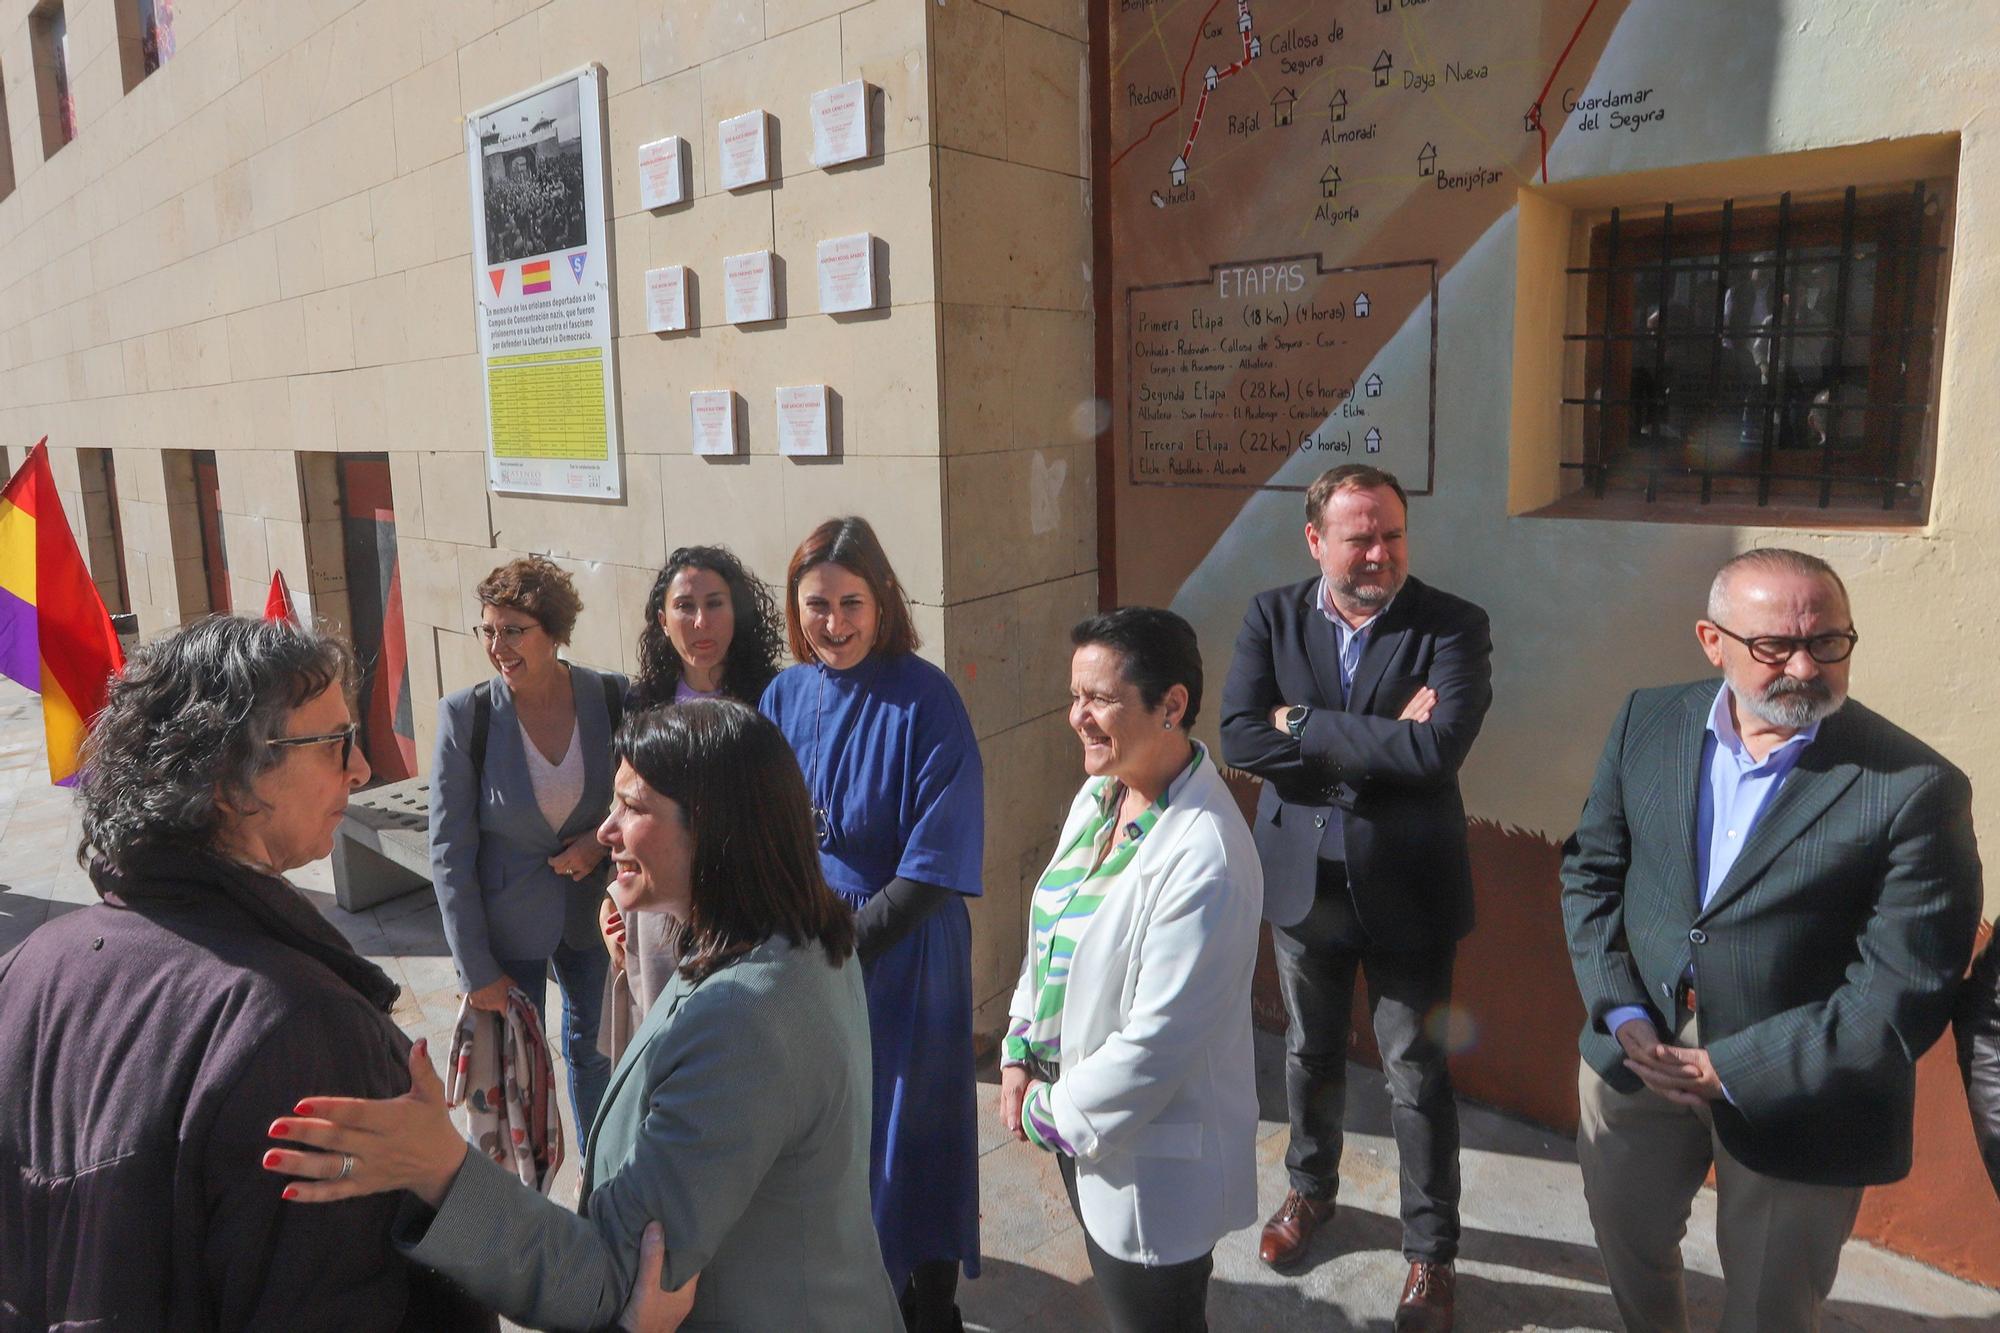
1290, 1231
1426, 1306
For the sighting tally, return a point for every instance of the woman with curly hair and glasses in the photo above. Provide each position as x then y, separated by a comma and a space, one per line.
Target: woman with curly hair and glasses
711, 632
521, 774
147, 1042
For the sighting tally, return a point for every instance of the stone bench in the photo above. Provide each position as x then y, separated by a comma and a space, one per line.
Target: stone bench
382, 848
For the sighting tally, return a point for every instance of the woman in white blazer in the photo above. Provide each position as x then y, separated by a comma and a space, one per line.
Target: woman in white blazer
1129, 1052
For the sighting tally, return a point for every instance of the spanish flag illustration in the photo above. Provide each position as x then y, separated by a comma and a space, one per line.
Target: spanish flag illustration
55, 636
535, 277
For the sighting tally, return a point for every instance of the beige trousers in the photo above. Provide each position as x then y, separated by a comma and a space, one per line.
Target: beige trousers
1643, 1158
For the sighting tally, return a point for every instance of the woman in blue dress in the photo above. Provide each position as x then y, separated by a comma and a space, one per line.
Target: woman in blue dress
899, 806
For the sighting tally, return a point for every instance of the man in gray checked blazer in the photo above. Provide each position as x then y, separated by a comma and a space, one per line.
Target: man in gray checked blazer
1770, 897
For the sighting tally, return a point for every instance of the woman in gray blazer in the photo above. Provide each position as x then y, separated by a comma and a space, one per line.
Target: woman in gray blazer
739, 1116
521, 776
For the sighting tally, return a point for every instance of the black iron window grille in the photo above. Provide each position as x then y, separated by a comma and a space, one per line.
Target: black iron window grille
1768, 352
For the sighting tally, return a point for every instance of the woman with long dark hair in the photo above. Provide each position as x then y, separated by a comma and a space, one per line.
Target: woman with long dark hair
711, 632
739, 1118
899, 803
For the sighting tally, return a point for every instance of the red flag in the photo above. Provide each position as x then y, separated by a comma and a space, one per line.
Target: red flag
55, 635
278, 605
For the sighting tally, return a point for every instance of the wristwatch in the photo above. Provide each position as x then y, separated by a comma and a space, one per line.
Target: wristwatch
1295, 720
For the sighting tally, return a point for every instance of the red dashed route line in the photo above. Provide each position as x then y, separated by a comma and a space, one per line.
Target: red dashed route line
1181, 98
1535, 111
1194, 130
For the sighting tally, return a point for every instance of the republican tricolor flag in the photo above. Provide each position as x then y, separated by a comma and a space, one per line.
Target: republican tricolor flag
55, 636
535, 277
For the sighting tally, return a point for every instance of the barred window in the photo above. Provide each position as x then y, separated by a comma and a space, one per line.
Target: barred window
1778, 352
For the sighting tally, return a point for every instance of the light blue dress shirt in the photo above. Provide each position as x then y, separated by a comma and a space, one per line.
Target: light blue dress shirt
1353, 639
1734, 792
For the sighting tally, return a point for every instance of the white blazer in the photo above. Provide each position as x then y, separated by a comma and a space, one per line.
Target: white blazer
1158, 1092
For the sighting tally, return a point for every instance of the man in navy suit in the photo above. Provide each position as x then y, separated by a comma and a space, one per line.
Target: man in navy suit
1356, 696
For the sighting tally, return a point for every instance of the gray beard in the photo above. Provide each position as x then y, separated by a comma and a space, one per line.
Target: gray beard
1371, 595
1794, 704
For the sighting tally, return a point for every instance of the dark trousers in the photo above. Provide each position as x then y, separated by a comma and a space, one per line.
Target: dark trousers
1408, 998
580, 973
1172, 1298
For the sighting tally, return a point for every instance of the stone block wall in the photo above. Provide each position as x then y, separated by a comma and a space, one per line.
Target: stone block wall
264, 249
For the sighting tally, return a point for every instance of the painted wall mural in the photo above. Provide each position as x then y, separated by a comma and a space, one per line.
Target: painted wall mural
1313, 229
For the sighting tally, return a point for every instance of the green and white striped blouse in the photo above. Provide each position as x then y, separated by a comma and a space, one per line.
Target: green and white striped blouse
1065, 900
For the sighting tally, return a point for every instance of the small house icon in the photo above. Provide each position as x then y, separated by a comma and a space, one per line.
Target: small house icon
1381, 6
1361, 305
1179, 172
1372, 386
1427, 159
1329, 182
1281, 106
1533, 120
1208, 79
1243, 18
1256, 47
1337, 109
1373, 439
1383, 64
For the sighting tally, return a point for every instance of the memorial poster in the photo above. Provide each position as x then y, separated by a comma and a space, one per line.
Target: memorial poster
543, 287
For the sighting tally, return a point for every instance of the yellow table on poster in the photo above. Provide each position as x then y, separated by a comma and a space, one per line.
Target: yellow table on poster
548, 405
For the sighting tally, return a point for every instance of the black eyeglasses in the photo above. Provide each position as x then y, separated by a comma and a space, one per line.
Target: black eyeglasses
1777, 649
345, 736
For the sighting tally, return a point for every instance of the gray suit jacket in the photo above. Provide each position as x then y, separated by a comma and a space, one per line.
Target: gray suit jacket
739, 1119
490, 845
1826, 961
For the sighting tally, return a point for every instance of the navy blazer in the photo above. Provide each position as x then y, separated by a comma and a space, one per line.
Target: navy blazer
490, 845
1392, 785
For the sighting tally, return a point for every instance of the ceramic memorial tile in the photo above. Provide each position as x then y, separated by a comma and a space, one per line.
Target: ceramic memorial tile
747, 291
802, 424
666, 299
712, 415
744, 149
847, 273
840, 124
663, 172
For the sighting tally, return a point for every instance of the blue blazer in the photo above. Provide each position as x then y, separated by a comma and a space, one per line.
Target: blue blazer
1392, 786
490, 845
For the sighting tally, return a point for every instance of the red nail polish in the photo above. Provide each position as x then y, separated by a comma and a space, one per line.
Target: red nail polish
303, 1108
291, 1192
279, 1129
271, 1157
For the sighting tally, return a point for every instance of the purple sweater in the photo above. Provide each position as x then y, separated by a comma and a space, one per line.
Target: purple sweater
146, 1044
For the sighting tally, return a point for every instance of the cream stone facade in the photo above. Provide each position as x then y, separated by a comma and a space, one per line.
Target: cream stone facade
264, 250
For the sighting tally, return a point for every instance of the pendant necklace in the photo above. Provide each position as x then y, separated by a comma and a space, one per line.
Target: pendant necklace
821, 780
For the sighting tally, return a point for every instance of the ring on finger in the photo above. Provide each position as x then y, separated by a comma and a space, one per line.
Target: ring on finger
346, 1166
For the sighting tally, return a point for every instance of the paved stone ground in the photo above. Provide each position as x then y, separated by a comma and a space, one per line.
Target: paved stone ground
1528, 1261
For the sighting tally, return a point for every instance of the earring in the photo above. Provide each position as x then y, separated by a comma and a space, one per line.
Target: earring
1167, 725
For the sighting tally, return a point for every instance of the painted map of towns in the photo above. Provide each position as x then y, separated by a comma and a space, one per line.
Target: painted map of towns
1289, 179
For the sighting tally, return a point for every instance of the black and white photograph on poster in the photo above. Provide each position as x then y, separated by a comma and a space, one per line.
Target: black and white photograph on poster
542, 282
532, 167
